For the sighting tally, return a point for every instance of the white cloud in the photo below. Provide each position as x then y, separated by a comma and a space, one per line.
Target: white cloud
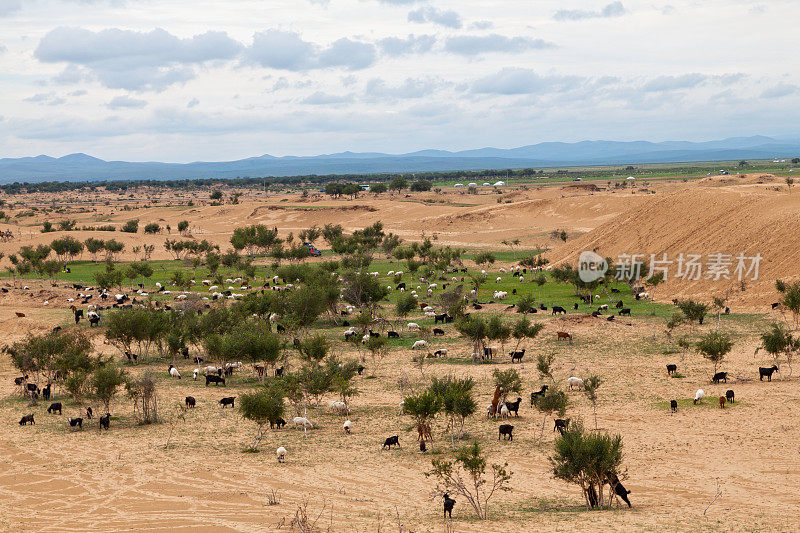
284, 50
321, 98
8, 7
781, 90
614, 9
125, 59
448, 18
523, 81
470, 45
413, 44
125, 102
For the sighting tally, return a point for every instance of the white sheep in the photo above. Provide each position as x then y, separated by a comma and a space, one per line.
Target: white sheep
402, 406
427, 308
412, 326
302, 421
365, 338
499, 279
174, 372
209, 370
339, 407
195, 373
281, 454
347, 426
430, 314
420, 344
699, 395
575, 382
504, 411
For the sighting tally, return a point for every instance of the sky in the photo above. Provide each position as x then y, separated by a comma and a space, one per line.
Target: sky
191, 80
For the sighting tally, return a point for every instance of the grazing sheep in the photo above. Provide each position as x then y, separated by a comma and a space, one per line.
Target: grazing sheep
673, 405
302, 421
76, 422
339, 407
348, 426
720, 376
412, 326
174, 372
729, 396
227, 401
280, 422
575, 382
394, 440
27, 419
505, 430
420, 344
448, 505
699, 395
54, 407
281, 454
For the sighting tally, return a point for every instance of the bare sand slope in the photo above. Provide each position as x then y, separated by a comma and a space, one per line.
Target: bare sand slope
705, 220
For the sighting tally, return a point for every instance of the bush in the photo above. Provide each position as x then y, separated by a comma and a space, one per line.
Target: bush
152, 228
262, 407
588, 459
131, 226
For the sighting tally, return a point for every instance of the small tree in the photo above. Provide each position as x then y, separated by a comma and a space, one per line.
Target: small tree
377, 347
590, 460
105, 382
131, 226
508, 381
590, 386
714, 346
465, 476
553, 401
262, 407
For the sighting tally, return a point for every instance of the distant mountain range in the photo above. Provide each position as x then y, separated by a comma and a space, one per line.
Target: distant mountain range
80, 167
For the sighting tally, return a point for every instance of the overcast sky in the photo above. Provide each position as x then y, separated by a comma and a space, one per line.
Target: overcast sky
185, 80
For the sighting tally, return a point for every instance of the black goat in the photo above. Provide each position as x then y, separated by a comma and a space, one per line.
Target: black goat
729, 396
56, 406
76, 422
671, 369
216, 380
720, 376
280, 422
27, 419
513, 407
190, 401
394, 440
766, 372
448, 505
105, 421
518, 355
673, 405
538, 394
561, 425
227, 401
505, 430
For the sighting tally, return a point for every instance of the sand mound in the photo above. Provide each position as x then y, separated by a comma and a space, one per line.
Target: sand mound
705, 221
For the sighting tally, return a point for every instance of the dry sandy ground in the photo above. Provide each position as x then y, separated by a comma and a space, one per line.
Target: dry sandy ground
125, 480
